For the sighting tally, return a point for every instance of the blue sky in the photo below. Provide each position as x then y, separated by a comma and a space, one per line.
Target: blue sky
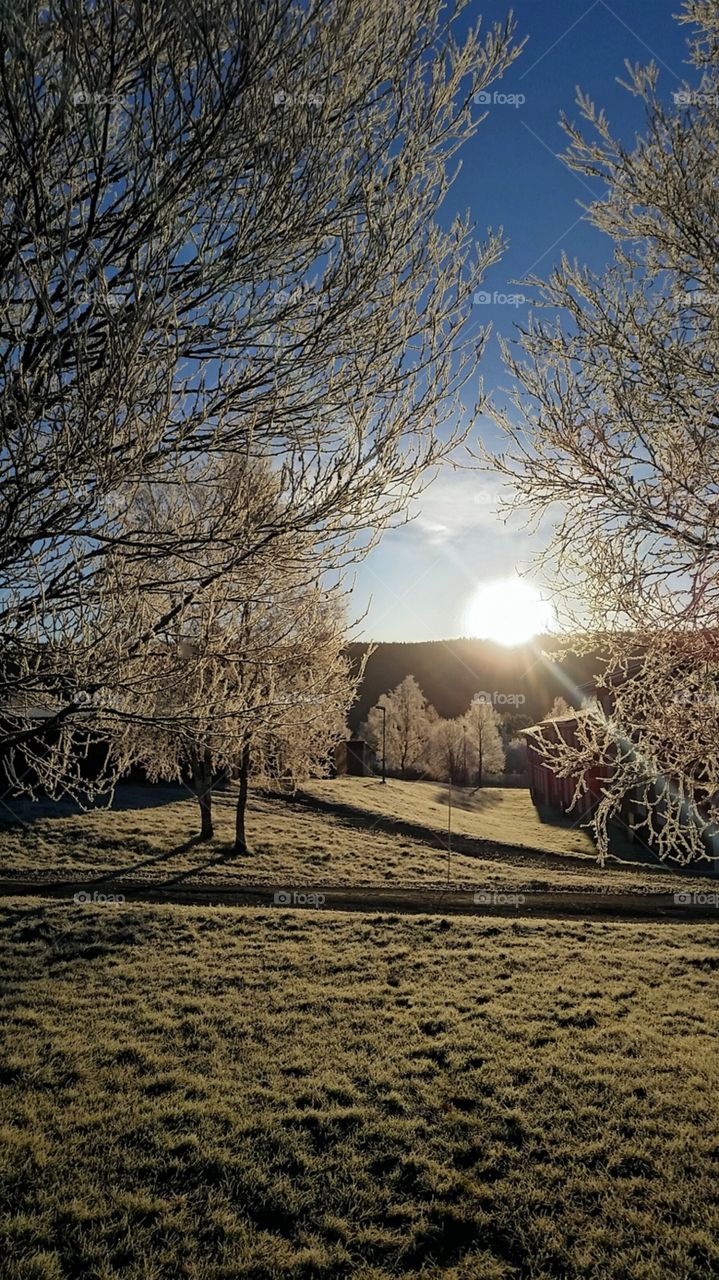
416, 585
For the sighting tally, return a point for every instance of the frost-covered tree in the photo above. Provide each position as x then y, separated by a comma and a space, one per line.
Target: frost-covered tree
467, 747
409, 720
264, 697
253, 681
560, 707
447, 751
615, 429
219, 238
481, 724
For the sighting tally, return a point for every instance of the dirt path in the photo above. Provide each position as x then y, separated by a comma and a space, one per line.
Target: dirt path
552, 904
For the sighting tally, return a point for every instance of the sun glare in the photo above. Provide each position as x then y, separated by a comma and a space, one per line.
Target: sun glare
509, 612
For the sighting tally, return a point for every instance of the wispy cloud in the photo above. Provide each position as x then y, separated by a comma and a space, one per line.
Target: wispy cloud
457, 505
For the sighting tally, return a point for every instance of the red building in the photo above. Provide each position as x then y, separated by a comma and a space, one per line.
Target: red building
553, 795
548, 791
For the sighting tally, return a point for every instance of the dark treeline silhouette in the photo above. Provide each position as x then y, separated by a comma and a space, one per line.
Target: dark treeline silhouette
450, 672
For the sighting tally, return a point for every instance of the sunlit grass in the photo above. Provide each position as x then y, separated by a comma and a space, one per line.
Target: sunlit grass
218, 1093
502, 814
366, 834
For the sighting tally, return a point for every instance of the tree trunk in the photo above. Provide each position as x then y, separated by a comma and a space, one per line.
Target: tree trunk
202, 782
479, 762
240, 838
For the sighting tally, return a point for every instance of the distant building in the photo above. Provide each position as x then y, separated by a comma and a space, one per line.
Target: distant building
355, 757
553, 795
549, 792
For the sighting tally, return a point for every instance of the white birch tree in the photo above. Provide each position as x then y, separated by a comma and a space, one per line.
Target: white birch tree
447, 751
481, 726
407, 732
264, 697
253, 679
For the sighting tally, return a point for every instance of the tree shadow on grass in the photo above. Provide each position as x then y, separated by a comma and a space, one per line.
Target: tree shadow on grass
17, 811
469, 799
165, 856
117, 873
472, 846
220, 860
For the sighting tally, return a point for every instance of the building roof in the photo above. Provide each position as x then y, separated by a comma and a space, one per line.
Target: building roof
569, 717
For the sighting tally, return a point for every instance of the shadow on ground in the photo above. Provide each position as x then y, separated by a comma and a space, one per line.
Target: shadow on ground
472, 846
622, 848
166, 856
470, 800
18, 811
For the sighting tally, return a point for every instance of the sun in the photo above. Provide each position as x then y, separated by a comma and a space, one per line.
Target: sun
508, 612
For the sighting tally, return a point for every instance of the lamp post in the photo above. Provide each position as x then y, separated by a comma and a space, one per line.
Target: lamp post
384, 743
449, 829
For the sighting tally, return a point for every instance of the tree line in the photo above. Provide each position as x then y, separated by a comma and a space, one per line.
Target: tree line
419, 742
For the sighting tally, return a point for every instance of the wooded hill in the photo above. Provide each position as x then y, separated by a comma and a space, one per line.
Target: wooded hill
450, 672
